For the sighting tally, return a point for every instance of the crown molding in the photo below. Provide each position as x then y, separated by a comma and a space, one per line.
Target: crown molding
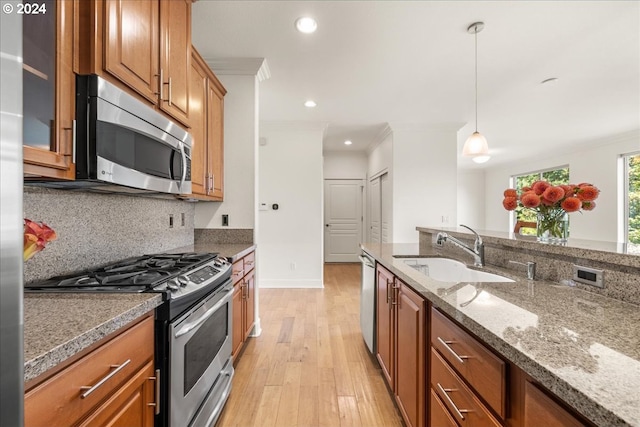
385, 131
241, 67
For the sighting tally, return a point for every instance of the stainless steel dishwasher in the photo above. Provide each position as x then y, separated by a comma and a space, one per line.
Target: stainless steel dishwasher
367, 301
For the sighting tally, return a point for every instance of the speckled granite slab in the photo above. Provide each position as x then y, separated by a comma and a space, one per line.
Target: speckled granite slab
553, 262
223, 235
582, 346
97, 229
57, 326
228, 250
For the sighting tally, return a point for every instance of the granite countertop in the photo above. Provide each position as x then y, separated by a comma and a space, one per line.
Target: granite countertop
231, 251
582, 346
58, 326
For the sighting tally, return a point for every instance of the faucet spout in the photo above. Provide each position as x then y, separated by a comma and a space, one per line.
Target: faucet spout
478, 246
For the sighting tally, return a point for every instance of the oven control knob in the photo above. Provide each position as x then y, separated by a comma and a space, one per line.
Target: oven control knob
173, 285
183, 281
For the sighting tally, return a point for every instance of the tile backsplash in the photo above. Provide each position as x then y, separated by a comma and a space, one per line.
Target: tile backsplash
96, 229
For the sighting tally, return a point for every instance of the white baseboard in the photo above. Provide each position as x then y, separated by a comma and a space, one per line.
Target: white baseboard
292, 284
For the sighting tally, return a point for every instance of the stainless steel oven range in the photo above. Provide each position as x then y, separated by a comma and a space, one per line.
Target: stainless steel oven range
193, 327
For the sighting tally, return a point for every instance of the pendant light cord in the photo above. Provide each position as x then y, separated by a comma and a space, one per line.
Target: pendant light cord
476, 47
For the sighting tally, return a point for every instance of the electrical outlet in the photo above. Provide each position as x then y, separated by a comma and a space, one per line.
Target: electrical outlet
182, 220
225, 220
293, 265
170, 220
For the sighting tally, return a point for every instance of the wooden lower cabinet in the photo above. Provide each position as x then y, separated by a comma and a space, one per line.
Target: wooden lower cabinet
129, 406
385, 336
244, 289
113, 385
542, 410
402, 322
476, 387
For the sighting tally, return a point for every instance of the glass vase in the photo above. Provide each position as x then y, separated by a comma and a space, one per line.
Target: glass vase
552, 226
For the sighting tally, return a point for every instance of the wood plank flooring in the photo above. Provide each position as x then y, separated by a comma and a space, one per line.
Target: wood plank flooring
310, 366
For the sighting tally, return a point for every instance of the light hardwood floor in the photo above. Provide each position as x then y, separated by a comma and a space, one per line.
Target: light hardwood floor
310, 366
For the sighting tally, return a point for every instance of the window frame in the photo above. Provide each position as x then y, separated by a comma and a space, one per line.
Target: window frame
540, 172
625, 209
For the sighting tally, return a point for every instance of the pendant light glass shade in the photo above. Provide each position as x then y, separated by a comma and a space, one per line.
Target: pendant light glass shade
476, 145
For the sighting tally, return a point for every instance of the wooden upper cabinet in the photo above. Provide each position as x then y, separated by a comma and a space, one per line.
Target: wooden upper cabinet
206, 113
198, 115
49, 92
131, 44
142, 46
175, 57
215, 131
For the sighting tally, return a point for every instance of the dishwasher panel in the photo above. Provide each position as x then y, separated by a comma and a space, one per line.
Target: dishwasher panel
367, 301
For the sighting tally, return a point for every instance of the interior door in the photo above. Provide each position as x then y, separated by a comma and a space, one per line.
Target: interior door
343, 219
380, 209
374, 210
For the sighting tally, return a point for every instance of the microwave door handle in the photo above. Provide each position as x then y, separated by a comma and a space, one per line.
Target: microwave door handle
184, 166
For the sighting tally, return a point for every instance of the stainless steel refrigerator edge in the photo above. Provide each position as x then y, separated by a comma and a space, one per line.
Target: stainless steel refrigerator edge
11, 317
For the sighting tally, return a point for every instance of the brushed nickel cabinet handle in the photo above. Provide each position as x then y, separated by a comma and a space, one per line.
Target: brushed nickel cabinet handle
456, 355
160, 85
156, 404
445, 392
91, 389
169, 91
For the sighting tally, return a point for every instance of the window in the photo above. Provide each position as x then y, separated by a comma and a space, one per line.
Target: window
632, 202
555, 176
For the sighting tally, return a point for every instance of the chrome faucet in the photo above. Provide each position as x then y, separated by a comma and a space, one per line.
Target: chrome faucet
478, 246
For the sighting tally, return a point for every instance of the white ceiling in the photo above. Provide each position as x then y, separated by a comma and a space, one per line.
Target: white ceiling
412, 62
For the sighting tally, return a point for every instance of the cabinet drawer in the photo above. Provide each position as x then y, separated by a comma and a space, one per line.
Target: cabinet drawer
58, 401
249, 262
440, 417
461, 402
237, 270
484, 371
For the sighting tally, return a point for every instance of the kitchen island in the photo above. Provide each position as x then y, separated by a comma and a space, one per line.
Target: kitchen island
583, 347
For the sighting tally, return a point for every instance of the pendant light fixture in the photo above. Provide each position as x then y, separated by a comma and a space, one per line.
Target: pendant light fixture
476, 145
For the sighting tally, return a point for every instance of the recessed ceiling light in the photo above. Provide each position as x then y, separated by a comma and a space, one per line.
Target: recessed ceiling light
306, 25
347, 142
310, 104
549, 80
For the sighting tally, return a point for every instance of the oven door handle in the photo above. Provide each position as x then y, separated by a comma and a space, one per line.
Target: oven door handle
191, 326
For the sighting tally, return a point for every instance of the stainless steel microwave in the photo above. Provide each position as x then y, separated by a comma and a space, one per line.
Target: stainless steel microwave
120, 140
122, 145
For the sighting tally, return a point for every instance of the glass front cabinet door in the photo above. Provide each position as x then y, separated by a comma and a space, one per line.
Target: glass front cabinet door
48, 90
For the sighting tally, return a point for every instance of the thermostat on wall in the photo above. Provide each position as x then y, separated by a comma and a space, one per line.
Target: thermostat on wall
589, 276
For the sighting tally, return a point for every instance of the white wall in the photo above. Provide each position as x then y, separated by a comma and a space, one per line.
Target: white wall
597, 164
345, 165
240, 146
471, 199
290, 174
381, 156
424, 179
